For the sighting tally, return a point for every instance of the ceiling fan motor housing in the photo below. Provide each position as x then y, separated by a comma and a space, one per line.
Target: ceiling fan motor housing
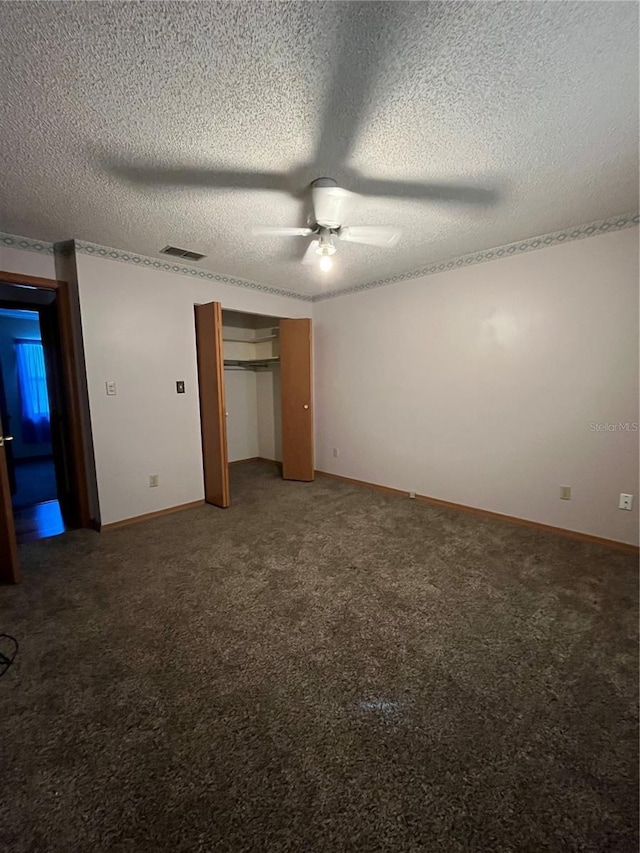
331, 203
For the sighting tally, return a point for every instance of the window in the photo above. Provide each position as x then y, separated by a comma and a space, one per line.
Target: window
34, 396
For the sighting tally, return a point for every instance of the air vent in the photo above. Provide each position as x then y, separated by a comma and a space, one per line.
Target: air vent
185, 254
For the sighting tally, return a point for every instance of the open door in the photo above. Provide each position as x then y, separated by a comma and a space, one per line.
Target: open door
296, 392
9, 569
212, 405
60, 434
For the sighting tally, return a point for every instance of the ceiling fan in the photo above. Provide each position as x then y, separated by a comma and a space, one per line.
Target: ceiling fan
331, 206
345, 111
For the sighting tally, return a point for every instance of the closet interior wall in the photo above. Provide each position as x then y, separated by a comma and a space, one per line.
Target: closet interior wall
252, 385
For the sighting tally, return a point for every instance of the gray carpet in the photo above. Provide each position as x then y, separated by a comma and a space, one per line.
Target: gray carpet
320, 668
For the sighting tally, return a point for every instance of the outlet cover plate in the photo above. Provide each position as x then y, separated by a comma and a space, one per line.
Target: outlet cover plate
625, 502
565, 493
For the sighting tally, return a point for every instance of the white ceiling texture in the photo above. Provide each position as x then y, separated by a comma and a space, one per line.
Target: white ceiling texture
139, 124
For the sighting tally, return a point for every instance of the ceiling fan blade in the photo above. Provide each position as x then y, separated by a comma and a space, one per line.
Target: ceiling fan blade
277, 231
365, 34
310, 256
463, 193
371, 235
150, 175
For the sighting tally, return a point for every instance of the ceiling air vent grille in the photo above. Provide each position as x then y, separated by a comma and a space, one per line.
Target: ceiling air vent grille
185, 254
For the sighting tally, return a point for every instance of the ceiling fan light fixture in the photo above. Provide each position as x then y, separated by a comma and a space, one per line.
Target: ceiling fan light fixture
325, 246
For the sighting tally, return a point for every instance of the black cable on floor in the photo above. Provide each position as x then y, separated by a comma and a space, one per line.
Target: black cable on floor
5, 662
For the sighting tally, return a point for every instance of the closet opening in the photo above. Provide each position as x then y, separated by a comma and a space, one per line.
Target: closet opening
256, 406
251, 350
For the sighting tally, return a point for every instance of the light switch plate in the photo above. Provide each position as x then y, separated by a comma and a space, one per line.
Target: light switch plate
180, 387
565, 493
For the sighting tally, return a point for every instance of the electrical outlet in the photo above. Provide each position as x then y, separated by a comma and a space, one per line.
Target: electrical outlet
335, 452
625, 502
153, 480
111, 388
412, 495
565, 493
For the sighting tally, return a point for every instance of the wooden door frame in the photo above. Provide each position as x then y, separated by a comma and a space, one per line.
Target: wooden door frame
4, 425
213, 422
9, 563
70, 363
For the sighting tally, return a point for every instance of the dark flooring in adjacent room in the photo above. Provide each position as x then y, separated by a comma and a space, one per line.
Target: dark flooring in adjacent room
36, 510
320, 667
38, 521
35, 481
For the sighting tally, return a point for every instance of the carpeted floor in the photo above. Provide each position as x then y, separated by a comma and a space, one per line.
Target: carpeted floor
320, 668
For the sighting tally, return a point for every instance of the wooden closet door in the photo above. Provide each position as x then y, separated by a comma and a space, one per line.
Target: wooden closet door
212, 406
296, 391
9, 569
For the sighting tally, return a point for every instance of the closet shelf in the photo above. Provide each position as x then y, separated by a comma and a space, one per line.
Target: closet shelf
250, 340
250, 363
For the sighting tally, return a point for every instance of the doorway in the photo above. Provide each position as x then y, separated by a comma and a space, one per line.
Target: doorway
46, 453
26, 405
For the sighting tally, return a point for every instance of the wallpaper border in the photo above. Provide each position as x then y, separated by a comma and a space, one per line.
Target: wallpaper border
530, 244
12, 241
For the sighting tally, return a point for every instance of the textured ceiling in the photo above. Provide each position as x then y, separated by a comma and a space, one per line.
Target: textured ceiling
537, 100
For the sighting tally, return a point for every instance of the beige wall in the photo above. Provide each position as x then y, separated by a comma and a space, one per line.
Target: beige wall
19, 261
241, 401
480, 385
269, 419
252, 401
